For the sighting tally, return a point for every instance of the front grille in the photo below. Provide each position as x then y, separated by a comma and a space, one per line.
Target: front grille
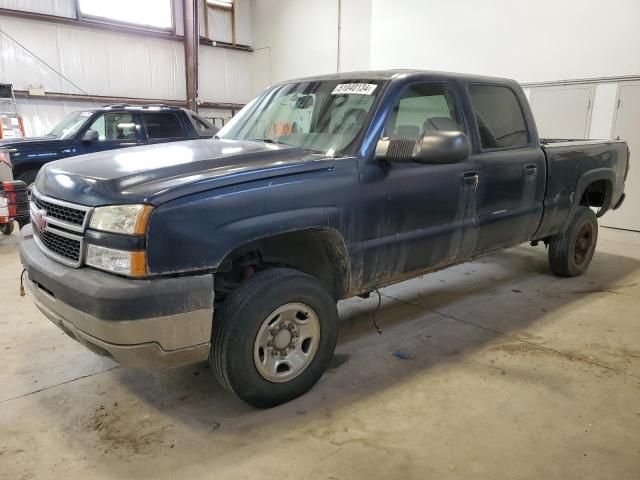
62, 246
65, 214
58, 228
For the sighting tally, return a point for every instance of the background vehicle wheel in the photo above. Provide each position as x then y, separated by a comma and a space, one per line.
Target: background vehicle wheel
570, 253
6, 228
274, 337
28, 177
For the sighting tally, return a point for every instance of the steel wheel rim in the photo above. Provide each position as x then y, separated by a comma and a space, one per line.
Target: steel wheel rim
583, 244
287, 342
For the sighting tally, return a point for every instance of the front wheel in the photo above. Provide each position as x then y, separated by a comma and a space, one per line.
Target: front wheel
274, 337
570, 253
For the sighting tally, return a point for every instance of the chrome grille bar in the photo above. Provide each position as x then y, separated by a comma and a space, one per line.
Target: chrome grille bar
58, 227
58, 219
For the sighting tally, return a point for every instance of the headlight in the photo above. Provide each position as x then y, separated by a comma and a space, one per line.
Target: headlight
133, 264
125, 219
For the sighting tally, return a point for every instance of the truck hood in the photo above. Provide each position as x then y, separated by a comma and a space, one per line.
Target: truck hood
29, 142
158, 173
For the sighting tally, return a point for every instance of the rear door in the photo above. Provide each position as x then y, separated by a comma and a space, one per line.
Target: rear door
163, 127
512, 168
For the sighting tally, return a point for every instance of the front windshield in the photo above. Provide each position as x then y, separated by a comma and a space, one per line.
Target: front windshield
319, 116
70, 125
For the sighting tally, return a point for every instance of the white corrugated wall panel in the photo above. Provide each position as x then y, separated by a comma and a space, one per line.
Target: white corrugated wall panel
220, 28
60, 8
40, 115
101, 63
22, 69
243, 22
220, 25
225, 75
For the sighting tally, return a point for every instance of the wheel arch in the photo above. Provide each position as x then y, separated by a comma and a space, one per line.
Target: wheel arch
317, 251
593, 189
22, 168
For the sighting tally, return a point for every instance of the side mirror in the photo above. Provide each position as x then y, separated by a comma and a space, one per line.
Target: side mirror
90, 136
434, 147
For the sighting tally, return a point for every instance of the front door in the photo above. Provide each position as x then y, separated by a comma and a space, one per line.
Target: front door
115, 130
512, 170
416, 217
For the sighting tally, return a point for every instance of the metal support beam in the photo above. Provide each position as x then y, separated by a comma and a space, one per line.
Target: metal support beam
191, 39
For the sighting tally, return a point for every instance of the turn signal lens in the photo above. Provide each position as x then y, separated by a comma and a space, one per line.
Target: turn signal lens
132, 264
143, 220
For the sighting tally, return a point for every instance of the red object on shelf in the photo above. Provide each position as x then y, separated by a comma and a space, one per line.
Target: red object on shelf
17, 202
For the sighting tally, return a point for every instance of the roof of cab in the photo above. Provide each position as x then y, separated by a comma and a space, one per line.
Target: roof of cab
399, 73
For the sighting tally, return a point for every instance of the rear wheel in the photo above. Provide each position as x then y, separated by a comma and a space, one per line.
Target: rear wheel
6, 228
571, 252
274, 337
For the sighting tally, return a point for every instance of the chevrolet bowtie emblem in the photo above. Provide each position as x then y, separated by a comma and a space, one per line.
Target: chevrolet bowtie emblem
40, 220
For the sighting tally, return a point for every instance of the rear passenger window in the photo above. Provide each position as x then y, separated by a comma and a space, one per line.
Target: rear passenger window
163, 125
421, 108
500, 119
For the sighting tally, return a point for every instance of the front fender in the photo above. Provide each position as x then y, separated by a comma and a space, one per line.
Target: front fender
197, 246
24, 160
197, 232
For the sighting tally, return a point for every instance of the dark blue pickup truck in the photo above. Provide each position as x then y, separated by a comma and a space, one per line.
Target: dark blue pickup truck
236, 250
105, 128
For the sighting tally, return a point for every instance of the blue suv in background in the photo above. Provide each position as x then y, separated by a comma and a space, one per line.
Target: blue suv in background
105, 128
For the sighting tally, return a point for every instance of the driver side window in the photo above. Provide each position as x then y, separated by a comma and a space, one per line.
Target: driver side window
423, 107
115, 126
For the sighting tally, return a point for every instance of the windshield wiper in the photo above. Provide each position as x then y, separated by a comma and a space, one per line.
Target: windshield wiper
270, 140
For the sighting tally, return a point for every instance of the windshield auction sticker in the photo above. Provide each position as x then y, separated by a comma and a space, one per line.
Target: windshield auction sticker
354, 89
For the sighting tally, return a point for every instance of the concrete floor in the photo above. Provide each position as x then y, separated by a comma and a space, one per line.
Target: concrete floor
511, 373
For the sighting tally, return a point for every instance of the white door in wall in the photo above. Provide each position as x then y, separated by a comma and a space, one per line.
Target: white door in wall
562, 111
627, 127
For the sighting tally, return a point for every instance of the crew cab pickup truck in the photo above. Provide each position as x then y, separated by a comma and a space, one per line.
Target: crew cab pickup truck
236, 250
100, 129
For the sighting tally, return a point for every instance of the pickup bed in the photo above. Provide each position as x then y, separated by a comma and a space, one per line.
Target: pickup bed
237, 249
99, 129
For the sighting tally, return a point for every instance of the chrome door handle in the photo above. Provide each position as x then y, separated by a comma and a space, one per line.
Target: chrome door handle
470, 178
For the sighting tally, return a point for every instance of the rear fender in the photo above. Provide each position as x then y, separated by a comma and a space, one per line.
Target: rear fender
607, 174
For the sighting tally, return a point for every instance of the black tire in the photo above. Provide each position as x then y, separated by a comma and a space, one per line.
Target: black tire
237, 323
28, 177
570, 253
6, 228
